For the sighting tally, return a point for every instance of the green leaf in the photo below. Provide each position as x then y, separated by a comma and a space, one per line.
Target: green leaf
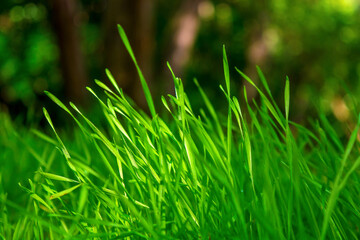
264, 98
287, 98
39, 199
340, 180
47, 116
103, 86
57, 101
263, 80
142, 79
229, 122
226, 71
56, 177
211, 110
112, 80
64, 192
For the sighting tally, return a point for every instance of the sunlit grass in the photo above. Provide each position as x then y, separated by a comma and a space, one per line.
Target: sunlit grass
204, 176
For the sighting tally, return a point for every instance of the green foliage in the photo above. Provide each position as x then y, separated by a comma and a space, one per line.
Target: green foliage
192, 176
314, 43
29, 55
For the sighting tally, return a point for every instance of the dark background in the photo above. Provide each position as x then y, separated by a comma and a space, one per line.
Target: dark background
62, 45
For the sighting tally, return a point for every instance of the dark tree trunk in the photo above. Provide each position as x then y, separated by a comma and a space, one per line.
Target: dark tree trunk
66, 27
137, 19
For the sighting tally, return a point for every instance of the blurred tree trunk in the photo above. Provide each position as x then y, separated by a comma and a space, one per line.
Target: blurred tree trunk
257, 53
185, 26
136, 17
66, 23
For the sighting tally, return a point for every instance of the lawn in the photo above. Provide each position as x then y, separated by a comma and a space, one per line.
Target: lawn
245, 171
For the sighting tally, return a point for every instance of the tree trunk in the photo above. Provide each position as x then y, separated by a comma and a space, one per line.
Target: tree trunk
257, 53
136, 17
185, 27
66, 27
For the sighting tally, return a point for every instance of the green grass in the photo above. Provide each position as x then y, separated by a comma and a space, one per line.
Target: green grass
187, 176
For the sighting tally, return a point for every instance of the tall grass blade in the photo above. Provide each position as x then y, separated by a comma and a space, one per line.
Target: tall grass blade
142, 79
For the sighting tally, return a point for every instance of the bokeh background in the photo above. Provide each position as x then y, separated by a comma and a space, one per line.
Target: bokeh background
63, 45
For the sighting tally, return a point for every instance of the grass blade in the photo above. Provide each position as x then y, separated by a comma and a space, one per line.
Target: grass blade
142, 79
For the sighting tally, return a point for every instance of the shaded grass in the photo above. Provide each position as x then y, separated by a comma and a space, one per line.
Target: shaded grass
193, 176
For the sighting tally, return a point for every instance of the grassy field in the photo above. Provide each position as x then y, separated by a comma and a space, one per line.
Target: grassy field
185, 175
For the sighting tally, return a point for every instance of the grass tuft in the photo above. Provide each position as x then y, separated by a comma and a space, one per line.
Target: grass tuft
207, 176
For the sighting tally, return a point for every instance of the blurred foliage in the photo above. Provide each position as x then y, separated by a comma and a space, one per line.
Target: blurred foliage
315, 43
29, 55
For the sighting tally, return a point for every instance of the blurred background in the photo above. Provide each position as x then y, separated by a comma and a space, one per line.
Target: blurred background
63, 45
